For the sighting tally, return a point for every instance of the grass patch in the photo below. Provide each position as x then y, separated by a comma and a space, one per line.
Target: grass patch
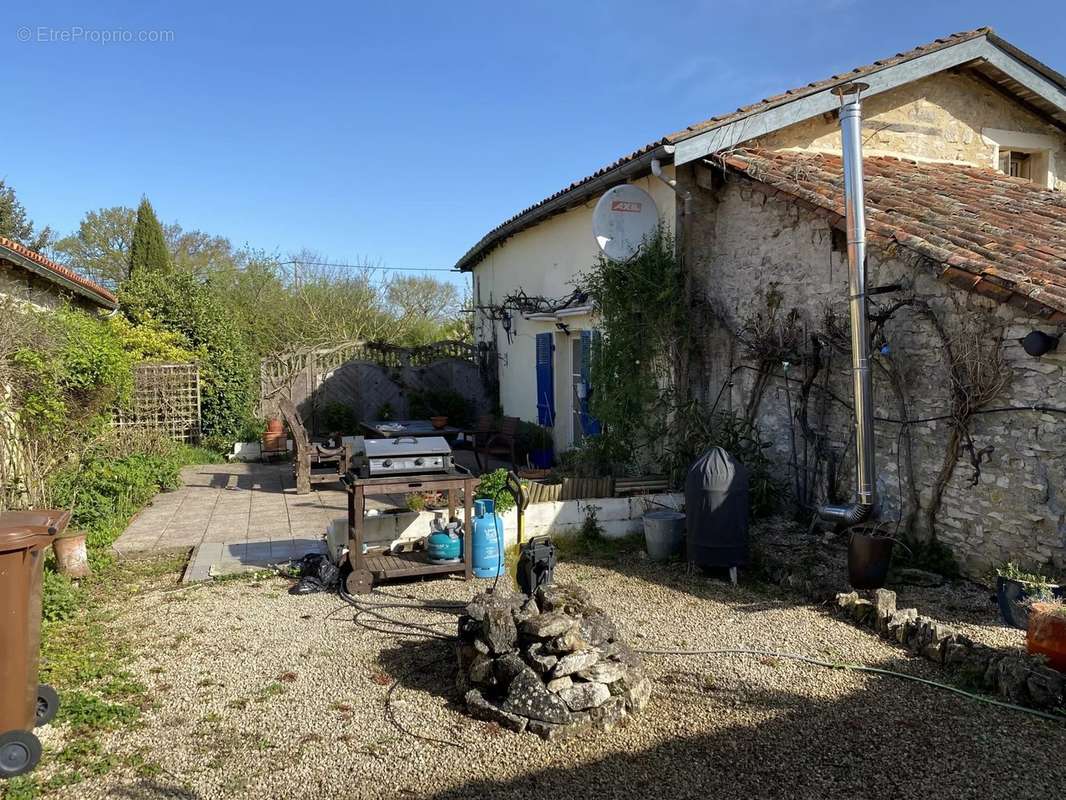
598, 547
86, 657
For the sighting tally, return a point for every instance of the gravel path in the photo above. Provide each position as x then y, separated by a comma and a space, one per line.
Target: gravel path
263, 695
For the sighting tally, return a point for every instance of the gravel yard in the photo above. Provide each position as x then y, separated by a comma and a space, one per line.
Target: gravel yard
264, 695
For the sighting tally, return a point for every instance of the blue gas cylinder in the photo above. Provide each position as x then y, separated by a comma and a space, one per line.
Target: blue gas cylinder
443, 546
487, 543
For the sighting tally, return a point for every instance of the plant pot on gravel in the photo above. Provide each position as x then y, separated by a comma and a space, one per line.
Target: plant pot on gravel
1016, 590
1046, 634
869, 556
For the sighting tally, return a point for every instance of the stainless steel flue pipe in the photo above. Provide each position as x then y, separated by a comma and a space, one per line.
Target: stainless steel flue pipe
862, 386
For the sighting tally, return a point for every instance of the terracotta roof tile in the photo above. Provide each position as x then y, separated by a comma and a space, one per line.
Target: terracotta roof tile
59, 270
974, 220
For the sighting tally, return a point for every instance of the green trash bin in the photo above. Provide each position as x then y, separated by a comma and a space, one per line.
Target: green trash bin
24, 704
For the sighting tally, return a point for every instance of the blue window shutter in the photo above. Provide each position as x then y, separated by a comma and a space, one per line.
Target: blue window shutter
545, 380
589, 424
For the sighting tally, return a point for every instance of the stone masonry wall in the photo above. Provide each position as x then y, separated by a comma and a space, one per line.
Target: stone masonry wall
939, 118
737, 243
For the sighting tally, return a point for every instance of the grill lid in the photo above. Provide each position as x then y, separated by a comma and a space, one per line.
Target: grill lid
407, 446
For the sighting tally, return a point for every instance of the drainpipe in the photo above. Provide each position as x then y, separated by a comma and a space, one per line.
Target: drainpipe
855, 216
657, 171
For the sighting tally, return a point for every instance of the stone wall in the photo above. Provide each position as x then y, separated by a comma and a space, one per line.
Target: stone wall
23, 286
943, 117
739, 245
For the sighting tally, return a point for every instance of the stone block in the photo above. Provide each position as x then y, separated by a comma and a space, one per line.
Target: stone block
582, 696
549, 625
499, 631
575, 662
579, 725
528, 697
482, 709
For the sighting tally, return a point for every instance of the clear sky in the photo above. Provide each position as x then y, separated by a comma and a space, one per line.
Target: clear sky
400, 131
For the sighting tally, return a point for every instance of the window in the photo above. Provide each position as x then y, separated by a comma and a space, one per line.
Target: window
1016, 164
1029, 156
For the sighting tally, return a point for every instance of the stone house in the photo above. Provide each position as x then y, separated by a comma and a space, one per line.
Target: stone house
965, 160
29, 277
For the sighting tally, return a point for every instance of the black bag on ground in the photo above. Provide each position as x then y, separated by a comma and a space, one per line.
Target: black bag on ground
317, 574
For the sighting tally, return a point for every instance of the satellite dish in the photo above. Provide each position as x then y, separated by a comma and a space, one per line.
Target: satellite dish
624, 217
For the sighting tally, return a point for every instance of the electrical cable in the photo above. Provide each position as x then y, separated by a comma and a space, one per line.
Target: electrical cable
744, 651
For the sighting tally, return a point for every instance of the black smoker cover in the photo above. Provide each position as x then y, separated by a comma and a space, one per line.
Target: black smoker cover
716, 509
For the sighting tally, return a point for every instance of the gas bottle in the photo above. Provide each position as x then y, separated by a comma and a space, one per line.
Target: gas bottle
488, 540
444, 543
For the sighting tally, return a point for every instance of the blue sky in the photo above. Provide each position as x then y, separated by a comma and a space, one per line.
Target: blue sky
401, 132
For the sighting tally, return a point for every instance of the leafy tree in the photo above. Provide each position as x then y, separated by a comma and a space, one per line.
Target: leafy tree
148, 247
15, 223
424, 306
100, 249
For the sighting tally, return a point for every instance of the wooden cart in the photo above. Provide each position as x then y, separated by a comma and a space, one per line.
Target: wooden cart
368, 569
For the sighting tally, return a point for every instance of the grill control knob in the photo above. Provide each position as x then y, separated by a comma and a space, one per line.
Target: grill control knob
419, 462
386, 463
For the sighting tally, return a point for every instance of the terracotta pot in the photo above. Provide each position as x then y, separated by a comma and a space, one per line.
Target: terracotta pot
438, 422
72, 558
275, 426
1047, 633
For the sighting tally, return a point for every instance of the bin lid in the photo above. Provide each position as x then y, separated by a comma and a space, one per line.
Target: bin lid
20, 530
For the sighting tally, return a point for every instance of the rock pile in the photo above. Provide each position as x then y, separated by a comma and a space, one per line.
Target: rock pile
553, 664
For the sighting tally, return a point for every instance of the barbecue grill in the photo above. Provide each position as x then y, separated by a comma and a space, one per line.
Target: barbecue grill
406, 455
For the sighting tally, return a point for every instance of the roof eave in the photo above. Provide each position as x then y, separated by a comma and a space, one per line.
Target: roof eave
985, 47
637, 168
20, 260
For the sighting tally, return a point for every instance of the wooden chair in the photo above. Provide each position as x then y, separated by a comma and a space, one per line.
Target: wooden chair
501, 442
310, 454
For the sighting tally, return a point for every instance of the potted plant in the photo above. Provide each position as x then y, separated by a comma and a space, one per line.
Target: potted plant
869, 556
541, 445
1046, 632
1016, 589
72, 557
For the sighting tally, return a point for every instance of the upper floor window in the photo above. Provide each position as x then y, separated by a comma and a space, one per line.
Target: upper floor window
1016, 164
1029, 156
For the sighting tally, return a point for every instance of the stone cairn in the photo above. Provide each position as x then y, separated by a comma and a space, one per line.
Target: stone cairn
553, 664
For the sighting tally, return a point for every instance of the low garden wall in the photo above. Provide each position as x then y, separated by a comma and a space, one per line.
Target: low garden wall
616, 517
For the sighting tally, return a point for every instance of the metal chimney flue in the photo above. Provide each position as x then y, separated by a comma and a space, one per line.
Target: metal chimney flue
862, 387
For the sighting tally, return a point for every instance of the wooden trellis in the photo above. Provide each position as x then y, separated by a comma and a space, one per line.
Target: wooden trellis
166, 398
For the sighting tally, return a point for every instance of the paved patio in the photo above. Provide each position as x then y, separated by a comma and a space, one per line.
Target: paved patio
240, 516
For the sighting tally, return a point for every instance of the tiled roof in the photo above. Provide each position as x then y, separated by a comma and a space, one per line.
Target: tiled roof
62, 274
1001, 237
530, 215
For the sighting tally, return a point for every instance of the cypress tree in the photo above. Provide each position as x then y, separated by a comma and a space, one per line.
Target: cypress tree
148, 251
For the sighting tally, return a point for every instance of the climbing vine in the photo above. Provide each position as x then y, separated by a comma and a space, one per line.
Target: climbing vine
641, 310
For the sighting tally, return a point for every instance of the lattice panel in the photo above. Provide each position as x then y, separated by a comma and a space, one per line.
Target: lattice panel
166, 398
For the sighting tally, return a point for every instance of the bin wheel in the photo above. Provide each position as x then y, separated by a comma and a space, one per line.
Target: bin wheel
359, 581
47, 704
19, 753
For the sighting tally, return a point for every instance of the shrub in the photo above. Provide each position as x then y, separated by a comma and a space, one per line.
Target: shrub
440, 402
493, 486
184, 305
71, 369
339, 418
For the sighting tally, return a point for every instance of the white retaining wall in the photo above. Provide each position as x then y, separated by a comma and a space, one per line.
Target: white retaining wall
617, 517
